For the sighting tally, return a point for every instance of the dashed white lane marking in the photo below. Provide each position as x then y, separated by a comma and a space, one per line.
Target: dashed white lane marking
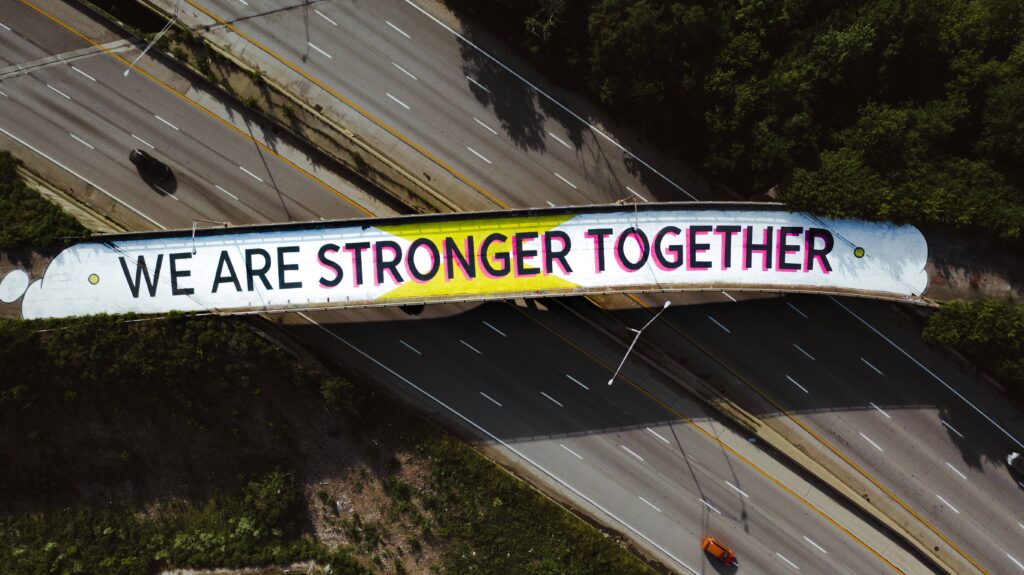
726, 294
559, 176
471, 347
250, 173
793, 381
560, 140
243, 2
498, 331
1017, 563
791, 564
552, 400
407, 73
801, 350
951, 428
577, 382
320, 50
797, 310
58, 91
2, 93
80, 71
632, 191
1021, 524
486, 127
737, 490
479, 155
478, 84
166, 122
324, 16
955, 510
878, 371
709, 506
492, 400
397, 29
400, 103
81, 141
955, 470
166, 193
631, 452
150, 146
236, 198
5, 26
868, 439
725, 329
658, 435
887, 416
578, 456
410, 347
550, 203
654, 507
816, 546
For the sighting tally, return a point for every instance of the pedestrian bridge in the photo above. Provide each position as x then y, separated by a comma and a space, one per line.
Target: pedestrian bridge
477, 256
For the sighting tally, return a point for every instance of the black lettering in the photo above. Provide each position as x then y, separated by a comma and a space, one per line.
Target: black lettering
283, 267
727, 233
252, 273
389, 265
357, 249
141, 270
321, 257
620, 249
809, 249
435, 260
693, 247
749, 247
225, 261
522, 255
787, 248
659, 258
599, 235
485, 262
176, 273
467, 261
550, 254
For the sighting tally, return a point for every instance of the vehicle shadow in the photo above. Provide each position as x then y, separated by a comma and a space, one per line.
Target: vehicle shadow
165, 186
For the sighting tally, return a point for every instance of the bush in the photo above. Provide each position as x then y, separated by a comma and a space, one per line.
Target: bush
26, 218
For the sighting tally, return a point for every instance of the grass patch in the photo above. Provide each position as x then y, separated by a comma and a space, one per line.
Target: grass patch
26, 218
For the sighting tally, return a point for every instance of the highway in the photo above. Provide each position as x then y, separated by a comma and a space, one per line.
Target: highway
206, 153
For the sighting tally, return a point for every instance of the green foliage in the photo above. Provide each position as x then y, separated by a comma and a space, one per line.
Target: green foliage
26, 218
991, 331
921, 102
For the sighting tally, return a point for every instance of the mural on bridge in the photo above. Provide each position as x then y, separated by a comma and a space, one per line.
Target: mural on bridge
464, 257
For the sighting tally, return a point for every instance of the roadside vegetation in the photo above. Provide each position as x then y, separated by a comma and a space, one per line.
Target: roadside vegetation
912, 112
26, 218
132, 445
989, 331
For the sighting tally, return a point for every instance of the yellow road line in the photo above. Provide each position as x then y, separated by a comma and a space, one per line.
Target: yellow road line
350, 104
710, 436
810, 432
199, 106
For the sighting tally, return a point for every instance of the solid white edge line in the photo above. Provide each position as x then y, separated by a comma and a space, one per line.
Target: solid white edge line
804, 352
887, 416
725, 329
478, 84
225, 191
816, 546
793, 381
407, 73
556, 102
871, 442
878, 371
402, 341
578, 456
737, 490
951, 428
144, 142
494, 401
5, 26
559, 176
506, 445
928, 371
726, 294
793, 565
471, 347
653, 506
501, 333
631, 452
478, 154
1014, 559
486, 127
577, 382
400, 103
321, 50
324, 16
658, 435
399, 30
80, 71
58, 91
942, 499
955, 470
250, 173
166, 122
84, 179
709, 506
553, 400
83, 142
560, 140
797, 310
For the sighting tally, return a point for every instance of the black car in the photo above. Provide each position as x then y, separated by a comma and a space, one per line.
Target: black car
149, 165
1015, 461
